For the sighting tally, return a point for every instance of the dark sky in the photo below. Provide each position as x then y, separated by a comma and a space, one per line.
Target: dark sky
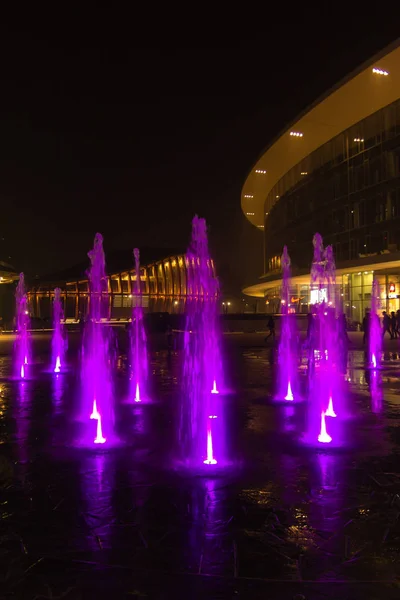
97, 134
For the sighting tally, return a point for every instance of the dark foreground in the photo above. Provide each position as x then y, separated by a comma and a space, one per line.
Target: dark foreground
282, 521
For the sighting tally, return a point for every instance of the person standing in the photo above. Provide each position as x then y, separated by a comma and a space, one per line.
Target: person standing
393, 325
366, 327
386, 325
271, 329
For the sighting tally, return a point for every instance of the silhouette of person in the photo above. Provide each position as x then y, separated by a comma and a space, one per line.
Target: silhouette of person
271, 329
386, 325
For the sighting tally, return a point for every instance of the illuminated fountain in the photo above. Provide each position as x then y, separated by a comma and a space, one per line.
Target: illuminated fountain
375, 331
287, 357
325, 393
201, 427
58, 341
96, 351
138, 341
22, 354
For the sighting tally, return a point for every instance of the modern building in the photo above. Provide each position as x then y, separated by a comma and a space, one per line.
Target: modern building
165, 276
336, 171
8, 277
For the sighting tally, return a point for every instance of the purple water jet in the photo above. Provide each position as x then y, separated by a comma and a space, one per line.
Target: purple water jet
326, 340
201, 423
22, 351
58, 340
138, 341
96, 350
374, 338
287, 357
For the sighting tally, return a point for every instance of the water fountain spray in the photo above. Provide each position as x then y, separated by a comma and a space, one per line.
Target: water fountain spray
138, 340
96, 361
200, 430
58, 340
375, 332
324, 349
287, 357
22, 353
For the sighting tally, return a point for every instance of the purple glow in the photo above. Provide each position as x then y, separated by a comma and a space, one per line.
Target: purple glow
96, 356
324, 437
22, 351
374, 338
329, 411
287, 357
376, 391
94, 414
200, 435
58, 340
210, 460
99, 439
138, 341
289, 393
137, 394
214, 388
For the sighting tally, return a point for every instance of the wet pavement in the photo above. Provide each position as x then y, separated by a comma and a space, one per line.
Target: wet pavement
280, 521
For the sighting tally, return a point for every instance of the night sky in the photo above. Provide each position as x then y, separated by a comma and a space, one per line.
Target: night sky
99, 135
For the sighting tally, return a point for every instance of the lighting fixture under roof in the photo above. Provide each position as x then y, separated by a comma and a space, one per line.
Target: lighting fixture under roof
248, 196
304, 173
260, 226
261, 171
358, 139
296, 134
380, 71
250, 214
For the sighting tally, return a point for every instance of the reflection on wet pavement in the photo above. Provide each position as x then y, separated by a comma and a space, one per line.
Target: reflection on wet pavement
282, 520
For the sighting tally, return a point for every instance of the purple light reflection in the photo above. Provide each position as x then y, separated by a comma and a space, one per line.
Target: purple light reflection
97, 475
375, 386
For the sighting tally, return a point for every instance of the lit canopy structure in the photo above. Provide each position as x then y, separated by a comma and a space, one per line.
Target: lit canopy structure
7, 273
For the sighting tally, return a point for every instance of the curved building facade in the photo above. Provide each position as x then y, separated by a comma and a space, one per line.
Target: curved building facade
165, 285
336, 170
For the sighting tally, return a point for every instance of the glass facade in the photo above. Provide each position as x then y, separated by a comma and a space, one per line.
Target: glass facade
348, 190
353, 294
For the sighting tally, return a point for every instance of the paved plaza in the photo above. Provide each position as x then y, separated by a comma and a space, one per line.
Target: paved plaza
280, 521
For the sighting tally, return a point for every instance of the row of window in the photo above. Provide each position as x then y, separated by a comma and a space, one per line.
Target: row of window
360, 143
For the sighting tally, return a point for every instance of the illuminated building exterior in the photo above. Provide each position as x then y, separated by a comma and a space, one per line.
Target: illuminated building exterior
163, 285
336, 170
8, 277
